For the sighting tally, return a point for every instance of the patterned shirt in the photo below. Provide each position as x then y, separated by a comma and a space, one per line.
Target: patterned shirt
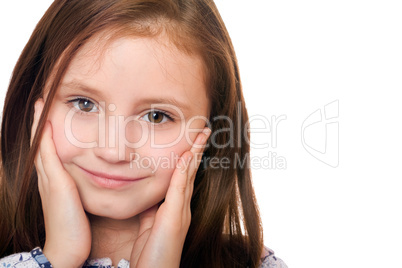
36, 259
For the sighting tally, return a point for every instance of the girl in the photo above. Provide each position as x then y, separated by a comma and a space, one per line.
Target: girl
106, 145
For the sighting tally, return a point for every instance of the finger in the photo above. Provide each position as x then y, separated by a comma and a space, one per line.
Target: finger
40, 173
52, 166
38, 108
197, 150
42, 178
179, 193
176, 192
39, 165
178, 188
185, 167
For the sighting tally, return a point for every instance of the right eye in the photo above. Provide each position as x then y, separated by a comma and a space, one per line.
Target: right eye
84, 105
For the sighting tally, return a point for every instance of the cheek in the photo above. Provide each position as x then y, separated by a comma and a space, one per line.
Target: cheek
173, 151
162, 161
65, 149
70, 136
173, 136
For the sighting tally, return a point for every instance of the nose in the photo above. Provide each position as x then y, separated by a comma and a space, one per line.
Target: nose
116, 134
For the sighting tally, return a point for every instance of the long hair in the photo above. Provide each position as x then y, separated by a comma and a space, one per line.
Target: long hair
225, 229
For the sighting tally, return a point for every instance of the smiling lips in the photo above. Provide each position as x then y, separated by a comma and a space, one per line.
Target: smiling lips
105, 180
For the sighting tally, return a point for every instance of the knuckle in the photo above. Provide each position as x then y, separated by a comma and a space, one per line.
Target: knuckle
180, 188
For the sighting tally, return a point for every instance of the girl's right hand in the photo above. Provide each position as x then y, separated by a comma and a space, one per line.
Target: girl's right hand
68, 233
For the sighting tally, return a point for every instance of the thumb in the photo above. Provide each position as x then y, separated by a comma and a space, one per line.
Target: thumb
146, 219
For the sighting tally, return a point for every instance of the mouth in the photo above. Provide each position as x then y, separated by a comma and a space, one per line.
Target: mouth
111, 181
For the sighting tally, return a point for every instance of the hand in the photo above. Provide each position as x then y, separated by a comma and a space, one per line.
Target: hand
68, 234
163, 230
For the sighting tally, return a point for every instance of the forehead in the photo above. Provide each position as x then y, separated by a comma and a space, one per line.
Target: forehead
134, 68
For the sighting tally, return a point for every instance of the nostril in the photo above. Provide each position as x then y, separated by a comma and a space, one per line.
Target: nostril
112, 154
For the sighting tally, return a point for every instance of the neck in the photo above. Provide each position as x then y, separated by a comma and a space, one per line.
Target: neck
113, 238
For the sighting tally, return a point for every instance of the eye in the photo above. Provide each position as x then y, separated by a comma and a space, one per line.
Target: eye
157, 117
85, 105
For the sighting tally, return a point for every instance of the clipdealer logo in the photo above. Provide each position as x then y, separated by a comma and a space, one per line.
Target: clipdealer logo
320, 134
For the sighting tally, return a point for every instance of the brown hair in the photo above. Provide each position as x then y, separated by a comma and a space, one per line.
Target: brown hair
225, 228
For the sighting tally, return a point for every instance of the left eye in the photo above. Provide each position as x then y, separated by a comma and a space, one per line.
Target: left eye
84, 105
157, 117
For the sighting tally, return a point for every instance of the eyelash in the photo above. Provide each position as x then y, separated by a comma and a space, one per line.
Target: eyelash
169, 116
74, 103
166, 114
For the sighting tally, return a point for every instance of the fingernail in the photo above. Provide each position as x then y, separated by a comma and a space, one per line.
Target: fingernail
206, 131
37, 107
200, 139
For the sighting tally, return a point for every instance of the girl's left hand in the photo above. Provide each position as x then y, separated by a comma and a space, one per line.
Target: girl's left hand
163, 230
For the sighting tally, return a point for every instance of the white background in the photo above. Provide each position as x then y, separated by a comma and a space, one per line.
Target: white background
296, 57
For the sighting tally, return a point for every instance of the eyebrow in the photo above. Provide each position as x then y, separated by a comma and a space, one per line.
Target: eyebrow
144, 101
167, 100
81, 87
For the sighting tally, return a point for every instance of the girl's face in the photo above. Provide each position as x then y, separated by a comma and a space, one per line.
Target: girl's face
122, 117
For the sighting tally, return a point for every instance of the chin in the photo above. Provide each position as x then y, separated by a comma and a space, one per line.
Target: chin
116, 212
114, 215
